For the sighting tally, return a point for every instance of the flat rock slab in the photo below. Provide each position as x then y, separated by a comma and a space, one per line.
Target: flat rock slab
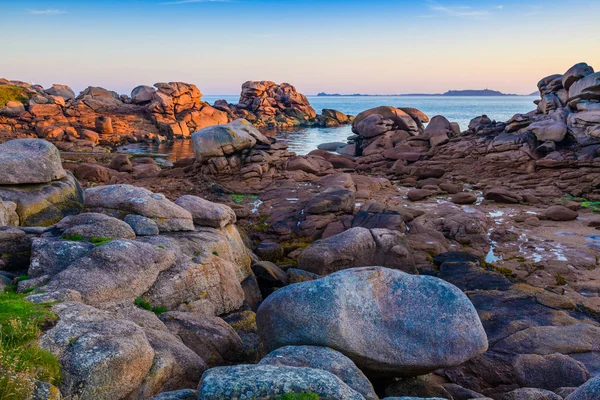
29, 161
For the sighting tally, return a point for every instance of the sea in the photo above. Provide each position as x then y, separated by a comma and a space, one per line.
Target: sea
303, 140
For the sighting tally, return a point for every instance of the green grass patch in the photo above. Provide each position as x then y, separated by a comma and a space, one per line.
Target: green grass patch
97, 241
13, 93
22, 362
299, 396
215, 253
592, 205
560, 280
239, 198
73, 238
141, 303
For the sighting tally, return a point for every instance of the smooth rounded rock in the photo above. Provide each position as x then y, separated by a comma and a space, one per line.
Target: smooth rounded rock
575, 73
531, 394
549, 372
142, 94
325, 359
375, 315
29, 161
549, 130
207, 213
120, 200
560, 213
94, 225
464, 198
142, 226
221, 140
588, 391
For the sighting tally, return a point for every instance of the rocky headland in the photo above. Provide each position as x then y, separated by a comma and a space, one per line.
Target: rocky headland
418, 260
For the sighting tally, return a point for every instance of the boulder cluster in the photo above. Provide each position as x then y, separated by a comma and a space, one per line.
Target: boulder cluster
97, 115
385, 135
560, 133
270, 105
138, 283
165, 111
569, 109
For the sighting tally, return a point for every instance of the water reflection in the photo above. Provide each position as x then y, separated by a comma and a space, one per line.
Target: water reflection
301, 141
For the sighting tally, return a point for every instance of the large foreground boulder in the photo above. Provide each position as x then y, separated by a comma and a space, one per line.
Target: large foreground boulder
264, 382
29, 161
121, 200
388, 322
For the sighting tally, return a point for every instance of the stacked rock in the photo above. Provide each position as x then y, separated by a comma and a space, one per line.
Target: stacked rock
35, 190
237, 150
569, 106
178, 108
273, 104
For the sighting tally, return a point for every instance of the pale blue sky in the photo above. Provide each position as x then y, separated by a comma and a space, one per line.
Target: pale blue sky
317, 45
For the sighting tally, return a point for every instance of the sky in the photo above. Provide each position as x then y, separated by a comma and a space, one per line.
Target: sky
334, 46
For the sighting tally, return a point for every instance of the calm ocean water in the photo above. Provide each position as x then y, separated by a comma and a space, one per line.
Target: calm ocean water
302, 141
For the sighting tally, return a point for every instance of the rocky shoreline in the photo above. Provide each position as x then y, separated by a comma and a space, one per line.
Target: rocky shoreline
98, 119
415, 261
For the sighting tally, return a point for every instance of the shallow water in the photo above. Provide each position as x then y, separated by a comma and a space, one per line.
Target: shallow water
304, 140
457, 109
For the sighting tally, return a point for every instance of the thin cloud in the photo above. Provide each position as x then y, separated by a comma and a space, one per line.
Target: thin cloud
198, 1
46, 12
458, 11
265, 35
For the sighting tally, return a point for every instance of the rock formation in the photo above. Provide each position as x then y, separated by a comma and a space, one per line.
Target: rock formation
33, 179
269, 105
96, 115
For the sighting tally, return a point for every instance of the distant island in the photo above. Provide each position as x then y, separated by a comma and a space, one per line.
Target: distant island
482, 92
